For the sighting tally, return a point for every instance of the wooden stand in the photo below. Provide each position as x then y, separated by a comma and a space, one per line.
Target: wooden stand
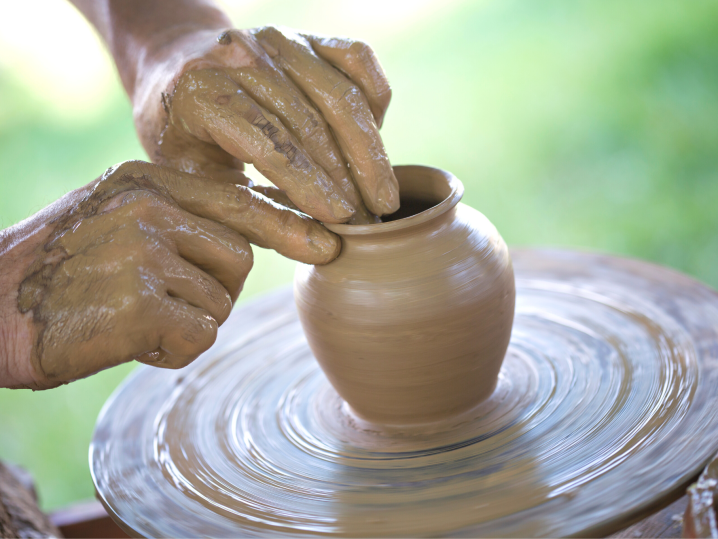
89, 519
86, 519
19, 514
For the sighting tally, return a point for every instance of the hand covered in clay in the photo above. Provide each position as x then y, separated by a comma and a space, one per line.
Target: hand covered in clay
296, 106
144, 263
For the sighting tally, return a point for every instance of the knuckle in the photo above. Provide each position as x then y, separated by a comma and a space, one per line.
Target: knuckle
198, 334
146, 282
146, 205
315, 130
285, 219
270, 31
189, 334
121, 169
211, 289
149, 255
144, 295
148, 250
142, 204
127, 176
247, 201
133, 168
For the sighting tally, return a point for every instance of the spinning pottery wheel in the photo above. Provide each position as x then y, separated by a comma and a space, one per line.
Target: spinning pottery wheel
604, 410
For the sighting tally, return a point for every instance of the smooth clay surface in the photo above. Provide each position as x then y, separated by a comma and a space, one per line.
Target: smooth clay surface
412, 321
605, 408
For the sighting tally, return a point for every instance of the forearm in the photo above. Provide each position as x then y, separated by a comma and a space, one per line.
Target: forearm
135, 31
15, 328
19, 247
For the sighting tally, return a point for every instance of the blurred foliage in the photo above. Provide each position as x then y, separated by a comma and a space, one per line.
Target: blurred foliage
589, 124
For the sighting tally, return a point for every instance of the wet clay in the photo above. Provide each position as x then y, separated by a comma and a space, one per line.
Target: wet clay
267, 97
207, 98
411, 322
604, 409
139, 267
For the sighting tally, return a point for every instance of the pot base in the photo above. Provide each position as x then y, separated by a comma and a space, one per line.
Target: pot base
604, 409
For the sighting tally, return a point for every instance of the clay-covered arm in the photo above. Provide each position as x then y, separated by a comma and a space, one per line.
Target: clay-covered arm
143, 263
304, 110
135, 31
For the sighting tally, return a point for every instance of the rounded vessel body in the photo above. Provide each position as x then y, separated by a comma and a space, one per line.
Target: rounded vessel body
412, 321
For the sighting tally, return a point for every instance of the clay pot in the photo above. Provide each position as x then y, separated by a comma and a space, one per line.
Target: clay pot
412, 321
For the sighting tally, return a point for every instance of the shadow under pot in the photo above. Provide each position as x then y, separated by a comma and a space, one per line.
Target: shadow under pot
411, 322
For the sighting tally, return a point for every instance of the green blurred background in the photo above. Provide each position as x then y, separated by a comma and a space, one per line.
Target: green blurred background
588, 124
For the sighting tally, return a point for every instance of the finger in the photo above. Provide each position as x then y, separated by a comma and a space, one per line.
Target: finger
238, 208
361, 217
358, 61
215, 249
212, 107
264, 223
271, 89
276, 195
225, 175
187, 282
346, 110
185, 332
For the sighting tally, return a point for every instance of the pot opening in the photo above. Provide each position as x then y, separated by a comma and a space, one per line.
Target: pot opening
425, 193
410, 206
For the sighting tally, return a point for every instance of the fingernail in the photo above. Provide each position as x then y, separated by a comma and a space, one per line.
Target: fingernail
324, 243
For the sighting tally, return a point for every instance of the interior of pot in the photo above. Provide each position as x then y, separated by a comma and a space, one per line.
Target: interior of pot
420, 188
425, 192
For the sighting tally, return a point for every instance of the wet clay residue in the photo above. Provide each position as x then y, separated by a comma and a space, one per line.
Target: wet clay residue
608, 387
304, 110
61, 316
146, 263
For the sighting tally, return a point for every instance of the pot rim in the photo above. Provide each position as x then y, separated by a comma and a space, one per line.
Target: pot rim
457, 191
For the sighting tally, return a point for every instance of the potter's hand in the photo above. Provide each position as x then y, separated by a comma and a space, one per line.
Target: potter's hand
207, 100
269, 97
143, 263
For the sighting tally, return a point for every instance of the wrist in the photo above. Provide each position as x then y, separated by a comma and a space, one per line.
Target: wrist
160, 64
20, 247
